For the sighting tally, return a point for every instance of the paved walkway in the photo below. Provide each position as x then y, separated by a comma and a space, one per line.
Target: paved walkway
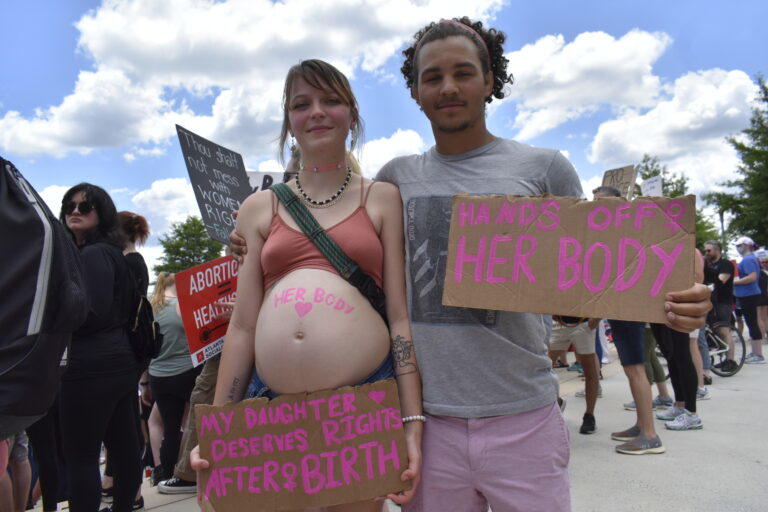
723, 467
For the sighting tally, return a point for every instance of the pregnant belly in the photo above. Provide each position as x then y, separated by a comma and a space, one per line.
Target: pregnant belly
316, 331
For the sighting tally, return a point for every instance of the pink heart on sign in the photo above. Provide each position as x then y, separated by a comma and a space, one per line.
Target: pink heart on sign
377, 396
302, 308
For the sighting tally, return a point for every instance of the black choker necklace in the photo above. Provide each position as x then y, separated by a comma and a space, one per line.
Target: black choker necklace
327, 202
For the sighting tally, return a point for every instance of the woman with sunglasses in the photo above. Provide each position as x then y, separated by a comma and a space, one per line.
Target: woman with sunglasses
99, 386
305, 327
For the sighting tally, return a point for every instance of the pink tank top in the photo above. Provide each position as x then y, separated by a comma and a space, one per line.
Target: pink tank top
287, 249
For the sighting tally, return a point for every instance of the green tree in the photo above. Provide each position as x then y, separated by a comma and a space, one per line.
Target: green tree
749, 203
186, 245
675, 185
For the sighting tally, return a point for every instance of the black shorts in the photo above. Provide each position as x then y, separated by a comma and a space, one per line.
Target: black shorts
719, 315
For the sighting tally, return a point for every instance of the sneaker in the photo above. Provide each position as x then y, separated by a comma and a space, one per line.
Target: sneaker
703, 394
561, 403
626, 435
588, 425
157, 475
660, 402
641, 445
582, 393
176, 485
575, 367
751, 359
707, 380
670, 414
685, 421
137, 506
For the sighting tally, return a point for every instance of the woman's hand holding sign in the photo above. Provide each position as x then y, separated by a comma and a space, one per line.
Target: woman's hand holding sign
687, 310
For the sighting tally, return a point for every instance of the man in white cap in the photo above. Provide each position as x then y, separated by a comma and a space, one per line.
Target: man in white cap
747, 291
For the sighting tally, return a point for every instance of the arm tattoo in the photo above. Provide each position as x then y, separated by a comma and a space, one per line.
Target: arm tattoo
402, 351
233, 390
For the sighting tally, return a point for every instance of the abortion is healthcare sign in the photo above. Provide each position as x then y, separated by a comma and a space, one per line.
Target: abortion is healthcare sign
198, 289
609, 258
304, 450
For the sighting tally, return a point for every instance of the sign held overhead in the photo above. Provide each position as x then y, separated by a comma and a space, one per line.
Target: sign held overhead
218, 179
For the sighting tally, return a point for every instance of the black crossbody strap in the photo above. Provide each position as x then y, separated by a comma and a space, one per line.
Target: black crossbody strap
348, 269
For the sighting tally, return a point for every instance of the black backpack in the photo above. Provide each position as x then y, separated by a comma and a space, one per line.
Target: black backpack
143, 332
43, 301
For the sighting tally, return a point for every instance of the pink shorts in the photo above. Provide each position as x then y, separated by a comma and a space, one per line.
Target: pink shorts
514, 463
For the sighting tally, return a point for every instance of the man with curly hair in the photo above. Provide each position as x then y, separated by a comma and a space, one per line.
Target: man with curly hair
494, 434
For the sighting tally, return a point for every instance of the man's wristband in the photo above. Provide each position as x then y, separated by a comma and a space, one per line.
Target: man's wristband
417, 417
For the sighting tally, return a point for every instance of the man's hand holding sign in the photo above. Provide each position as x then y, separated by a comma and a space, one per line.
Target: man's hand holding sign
604, 259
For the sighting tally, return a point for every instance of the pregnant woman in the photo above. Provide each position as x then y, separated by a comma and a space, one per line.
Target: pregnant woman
304, 325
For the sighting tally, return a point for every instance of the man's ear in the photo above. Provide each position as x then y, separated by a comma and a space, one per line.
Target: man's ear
488, 83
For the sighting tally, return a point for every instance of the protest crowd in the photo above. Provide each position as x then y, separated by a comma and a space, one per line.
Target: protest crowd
299, 323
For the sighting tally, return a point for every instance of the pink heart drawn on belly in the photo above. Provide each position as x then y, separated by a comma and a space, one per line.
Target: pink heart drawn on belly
377, 396
302, 308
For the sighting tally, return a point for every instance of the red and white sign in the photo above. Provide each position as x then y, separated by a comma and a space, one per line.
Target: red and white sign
199, 288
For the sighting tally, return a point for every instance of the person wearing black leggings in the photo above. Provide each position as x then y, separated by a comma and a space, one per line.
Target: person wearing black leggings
45, 438
171, 376
746, 288
676, 348
99, 386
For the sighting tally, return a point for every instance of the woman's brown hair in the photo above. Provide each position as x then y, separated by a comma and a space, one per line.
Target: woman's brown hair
134, 226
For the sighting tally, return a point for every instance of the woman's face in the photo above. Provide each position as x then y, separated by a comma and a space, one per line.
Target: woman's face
77, 221
319, 119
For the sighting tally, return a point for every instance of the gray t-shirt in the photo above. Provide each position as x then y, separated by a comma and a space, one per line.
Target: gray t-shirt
174, 358
474, 363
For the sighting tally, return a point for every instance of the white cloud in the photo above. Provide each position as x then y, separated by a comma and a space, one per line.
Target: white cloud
686, 130
145, 51
52, 195
380, 151
566, 153
556, 82
166, 201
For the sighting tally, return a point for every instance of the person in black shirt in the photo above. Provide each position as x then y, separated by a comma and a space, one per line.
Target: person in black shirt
136, 229
718, 275
99, 387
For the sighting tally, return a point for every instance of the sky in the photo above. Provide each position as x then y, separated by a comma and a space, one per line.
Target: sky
91, 90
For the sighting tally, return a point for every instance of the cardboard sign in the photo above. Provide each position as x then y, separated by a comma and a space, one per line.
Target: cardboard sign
263, 180
608, 258
219, 180
623, 179
198, 289
652, 187
304, 450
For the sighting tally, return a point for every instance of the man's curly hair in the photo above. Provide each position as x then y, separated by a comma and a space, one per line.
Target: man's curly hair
493, 38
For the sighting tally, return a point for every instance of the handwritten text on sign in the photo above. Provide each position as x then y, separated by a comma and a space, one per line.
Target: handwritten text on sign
608, 258
304, 450
219, 180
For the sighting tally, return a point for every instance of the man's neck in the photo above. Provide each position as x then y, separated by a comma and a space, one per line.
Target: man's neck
460, 142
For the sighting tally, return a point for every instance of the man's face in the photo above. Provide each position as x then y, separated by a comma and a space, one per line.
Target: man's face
451, 87
711, 252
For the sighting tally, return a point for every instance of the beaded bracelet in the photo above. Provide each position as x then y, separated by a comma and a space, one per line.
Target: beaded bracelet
418, 417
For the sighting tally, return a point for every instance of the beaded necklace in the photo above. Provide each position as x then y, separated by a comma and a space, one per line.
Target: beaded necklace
327, 202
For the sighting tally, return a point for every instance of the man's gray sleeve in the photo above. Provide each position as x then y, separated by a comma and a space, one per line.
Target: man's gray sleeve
562, 179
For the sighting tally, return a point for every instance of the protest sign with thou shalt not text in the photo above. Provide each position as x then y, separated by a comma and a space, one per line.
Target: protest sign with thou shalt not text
219, 180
